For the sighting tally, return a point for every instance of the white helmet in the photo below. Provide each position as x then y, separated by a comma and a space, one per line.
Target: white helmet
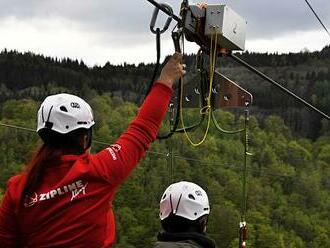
184, 199
64, 113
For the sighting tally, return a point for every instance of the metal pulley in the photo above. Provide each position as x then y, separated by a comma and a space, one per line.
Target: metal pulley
176, 41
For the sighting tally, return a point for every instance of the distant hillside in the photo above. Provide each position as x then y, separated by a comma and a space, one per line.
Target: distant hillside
307, 74
288, 177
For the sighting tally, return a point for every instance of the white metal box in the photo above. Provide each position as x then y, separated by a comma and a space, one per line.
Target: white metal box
229, 26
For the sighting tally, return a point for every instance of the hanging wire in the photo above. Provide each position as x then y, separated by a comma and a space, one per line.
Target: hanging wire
242, 224
201, 162
246, 154
156, 69
318, 18
179, 20
215, 163
203, 82
17, 127
170, 157
176, 40
207, 108
219, 128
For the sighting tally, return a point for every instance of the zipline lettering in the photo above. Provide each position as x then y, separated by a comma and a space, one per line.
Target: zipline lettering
76, 192
75, 188
113, 149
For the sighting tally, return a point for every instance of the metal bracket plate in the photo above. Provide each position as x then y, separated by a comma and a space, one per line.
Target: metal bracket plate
225, 93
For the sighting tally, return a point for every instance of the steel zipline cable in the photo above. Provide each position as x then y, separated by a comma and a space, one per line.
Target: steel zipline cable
251, 68
201, 162
318, 18
17, 127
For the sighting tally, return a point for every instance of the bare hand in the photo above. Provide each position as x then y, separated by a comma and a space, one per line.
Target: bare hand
202, 5
172, 71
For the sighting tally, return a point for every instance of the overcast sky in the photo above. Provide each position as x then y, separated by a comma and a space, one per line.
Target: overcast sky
98, 31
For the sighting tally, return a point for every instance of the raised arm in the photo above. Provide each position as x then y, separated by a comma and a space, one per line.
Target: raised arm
117, 161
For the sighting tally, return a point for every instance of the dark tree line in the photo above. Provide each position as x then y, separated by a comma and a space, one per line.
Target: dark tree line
307, 74
288, 174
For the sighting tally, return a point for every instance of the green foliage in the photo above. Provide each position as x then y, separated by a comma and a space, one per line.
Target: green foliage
288, 175
324, 154
288, 179
307, 74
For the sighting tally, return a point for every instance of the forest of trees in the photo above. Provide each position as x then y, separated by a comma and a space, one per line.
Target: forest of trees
307, 74
288, 173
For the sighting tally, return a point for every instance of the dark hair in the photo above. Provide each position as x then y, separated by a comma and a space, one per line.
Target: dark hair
177, 224
69, 142
54, 145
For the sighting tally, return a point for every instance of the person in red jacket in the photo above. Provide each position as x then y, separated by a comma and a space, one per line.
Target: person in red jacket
64, 197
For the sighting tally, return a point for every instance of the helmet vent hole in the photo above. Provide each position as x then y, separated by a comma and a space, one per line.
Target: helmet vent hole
67, 127
164, 196
49, 124
191, 197
195, 213
63, 108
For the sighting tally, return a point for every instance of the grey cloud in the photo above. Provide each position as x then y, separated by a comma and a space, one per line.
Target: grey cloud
269, 19
266, 18
102, 14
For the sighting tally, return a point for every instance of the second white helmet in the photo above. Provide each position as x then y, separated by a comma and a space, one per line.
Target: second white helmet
184, 199
64, 113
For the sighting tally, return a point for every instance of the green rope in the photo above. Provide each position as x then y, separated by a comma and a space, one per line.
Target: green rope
243, 227
216, 124
246, 153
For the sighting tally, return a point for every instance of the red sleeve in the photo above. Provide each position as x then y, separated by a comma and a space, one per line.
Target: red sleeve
116, 162
8, 227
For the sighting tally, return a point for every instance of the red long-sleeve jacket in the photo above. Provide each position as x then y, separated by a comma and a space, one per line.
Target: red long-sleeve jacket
73, 205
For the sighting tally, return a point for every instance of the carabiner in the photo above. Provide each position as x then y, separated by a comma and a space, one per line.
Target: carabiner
176, 41
154, 18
